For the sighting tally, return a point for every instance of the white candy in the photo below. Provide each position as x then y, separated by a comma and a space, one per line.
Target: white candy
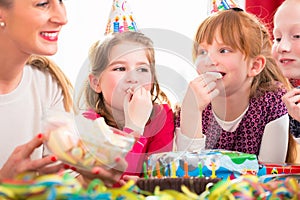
215, 74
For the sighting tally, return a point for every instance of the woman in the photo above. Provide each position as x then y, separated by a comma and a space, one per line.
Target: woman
29, 85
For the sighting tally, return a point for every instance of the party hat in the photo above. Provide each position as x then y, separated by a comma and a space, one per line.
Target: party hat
120, 18
217, 5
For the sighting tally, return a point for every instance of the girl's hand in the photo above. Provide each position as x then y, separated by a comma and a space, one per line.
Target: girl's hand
292, 102
20, 161
201, 91
137, 107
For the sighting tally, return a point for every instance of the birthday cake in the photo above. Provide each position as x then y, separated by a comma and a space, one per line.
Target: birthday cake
221, 164
194, 184
195, 170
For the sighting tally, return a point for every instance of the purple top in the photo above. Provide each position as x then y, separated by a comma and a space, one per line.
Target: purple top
248, 135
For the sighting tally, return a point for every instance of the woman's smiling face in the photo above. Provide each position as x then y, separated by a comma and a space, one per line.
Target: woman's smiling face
33, 26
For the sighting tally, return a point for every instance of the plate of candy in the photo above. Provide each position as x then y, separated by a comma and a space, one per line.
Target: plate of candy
84, 143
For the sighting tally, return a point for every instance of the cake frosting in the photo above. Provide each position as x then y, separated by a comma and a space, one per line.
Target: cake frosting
208, 163
194, 184
195, 170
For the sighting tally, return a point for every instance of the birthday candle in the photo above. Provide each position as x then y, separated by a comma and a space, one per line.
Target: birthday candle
107, 31
145, 171
213, 170
169, 170
125, 24
158, 174
133, 23
221, 7
225, 4
233, 4
116, 25
200, 170
173, 171
215, 7
186, 169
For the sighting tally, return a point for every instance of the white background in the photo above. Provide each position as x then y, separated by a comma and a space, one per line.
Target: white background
87, 22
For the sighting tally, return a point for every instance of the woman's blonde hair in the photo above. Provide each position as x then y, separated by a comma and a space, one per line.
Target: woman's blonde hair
45, 64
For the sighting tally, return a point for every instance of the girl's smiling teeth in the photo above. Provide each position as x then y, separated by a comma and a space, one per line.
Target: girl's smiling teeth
285, 60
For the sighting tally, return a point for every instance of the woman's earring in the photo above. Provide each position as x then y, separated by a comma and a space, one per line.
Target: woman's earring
2, 24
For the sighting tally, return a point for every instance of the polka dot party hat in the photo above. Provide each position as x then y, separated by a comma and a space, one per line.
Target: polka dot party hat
121, 18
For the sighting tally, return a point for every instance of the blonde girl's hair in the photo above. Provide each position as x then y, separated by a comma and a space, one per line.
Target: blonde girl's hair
99, 60
244, 32
45, 64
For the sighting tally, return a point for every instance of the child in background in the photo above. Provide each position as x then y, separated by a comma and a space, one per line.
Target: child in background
123, 88
286, 51
235, 102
